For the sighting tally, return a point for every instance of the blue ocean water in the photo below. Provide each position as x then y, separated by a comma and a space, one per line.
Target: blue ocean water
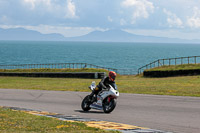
106, 54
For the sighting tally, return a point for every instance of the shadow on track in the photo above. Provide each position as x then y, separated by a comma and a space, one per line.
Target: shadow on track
87, 112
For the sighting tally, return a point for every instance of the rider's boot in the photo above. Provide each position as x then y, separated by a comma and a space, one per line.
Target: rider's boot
93, 96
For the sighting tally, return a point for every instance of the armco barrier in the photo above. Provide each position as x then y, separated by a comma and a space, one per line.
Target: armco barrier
171, 73
90, 75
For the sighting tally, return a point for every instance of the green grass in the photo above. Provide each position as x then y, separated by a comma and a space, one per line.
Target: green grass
176, 67
179, 86
20, 122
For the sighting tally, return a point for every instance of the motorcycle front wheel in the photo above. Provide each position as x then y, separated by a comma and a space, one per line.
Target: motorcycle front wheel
109, 106
85, 105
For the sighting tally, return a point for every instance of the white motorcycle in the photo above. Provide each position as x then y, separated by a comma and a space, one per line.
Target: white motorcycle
105, 100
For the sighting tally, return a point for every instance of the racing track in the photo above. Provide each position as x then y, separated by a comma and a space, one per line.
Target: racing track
166, 113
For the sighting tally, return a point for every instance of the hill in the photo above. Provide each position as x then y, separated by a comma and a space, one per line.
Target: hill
122, 36
95, 36
23, 34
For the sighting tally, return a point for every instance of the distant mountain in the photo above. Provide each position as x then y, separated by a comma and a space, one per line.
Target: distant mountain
106, 36
23, 34
95, 36
122, 36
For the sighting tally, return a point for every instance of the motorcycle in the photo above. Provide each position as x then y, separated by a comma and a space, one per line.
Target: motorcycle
105, 100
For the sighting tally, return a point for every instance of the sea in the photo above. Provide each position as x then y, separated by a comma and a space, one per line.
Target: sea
118, 55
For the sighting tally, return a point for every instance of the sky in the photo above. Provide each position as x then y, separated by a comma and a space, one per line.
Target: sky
162, 18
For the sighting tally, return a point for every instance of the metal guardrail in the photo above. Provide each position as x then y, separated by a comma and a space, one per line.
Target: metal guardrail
54, 65
68, 65
170, 61
91, 75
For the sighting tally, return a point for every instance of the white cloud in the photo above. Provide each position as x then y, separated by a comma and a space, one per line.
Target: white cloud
31, 3
71, 9
194, 21
172, 19
135, 14
67, 9
140, 8
34, 3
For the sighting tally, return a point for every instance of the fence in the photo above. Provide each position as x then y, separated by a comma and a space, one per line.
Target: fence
68, 65
57, 66
171, 61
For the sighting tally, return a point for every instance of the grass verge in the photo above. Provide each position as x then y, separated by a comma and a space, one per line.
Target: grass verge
178, 86
18, 122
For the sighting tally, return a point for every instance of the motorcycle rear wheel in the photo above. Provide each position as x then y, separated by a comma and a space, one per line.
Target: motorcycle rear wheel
85, 105
109, 106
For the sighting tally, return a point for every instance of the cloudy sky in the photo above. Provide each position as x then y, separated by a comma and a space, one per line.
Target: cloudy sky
166, 18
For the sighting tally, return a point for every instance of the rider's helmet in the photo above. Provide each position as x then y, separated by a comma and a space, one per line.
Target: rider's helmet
112, 75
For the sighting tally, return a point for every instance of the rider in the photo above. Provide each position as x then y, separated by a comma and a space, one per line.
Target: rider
104, 83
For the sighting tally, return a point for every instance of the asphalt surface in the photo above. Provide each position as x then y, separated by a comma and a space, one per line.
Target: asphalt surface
167, 113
